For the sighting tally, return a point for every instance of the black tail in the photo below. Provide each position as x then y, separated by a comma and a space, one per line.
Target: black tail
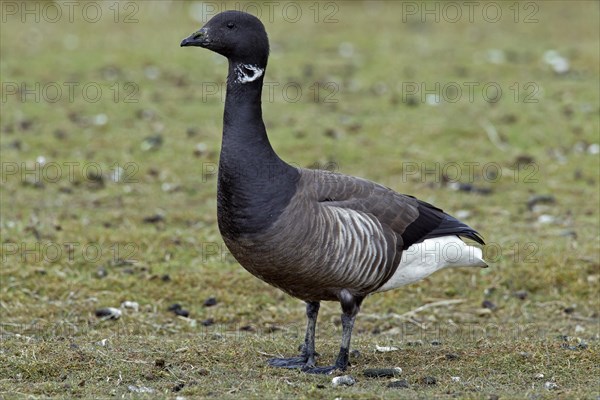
452, 226
433, 222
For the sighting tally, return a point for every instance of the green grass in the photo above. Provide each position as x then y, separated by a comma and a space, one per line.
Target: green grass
51, 342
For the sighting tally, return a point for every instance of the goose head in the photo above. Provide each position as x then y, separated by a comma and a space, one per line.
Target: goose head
239, 36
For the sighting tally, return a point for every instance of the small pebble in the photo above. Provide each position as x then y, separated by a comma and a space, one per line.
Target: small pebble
247, 328
412, 101
569, 310
354, 353
400, 384
344, 380
520, 294
539, 375
173, 307
153, 219
60, 134
467, 187
208, 322
463, 214
546, 219
178, 387
100, 119
436, 342
540, 198
200, 150
145, 114
191, 131
566, 346
332, 133
101, 272
152, 143
108, 313
550, 385
382, 372
452, 356
496, 56
429, 380
488, 304
568, 233
152, 72
559, 64
211, 301
170, 187
455, 378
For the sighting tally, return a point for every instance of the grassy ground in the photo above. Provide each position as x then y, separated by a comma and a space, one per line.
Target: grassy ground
110, 198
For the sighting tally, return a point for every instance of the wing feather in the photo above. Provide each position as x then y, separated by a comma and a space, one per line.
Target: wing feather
411, 220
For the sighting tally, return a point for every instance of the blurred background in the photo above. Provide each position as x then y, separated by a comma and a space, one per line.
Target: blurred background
110, 135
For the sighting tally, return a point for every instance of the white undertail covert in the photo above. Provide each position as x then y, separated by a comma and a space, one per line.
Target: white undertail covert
423, 259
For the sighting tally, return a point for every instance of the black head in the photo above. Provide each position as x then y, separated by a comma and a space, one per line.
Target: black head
239, 36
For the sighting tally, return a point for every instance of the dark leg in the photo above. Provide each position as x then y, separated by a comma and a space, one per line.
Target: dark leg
307, 357
312, 310
350, 307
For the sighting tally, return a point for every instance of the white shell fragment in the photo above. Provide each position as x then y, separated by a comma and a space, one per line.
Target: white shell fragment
385, 349
140, 389
559, 64
550, 385
344, 380
131, 305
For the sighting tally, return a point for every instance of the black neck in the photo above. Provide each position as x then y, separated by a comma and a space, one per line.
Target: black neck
244, 133
254, 183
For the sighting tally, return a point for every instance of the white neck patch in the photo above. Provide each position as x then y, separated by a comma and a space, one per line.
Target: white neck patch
248, 73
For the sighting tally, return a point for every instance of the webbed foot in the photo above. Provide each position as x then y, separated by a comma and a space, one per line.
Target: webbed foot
321, 370
291, 362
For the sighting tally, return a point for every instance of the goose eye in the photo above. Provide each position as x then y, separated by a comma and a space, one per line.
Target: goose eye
230, 25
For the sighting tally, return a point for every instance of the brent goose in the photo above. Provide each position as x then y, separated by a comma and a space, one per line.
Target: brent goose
314, 234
